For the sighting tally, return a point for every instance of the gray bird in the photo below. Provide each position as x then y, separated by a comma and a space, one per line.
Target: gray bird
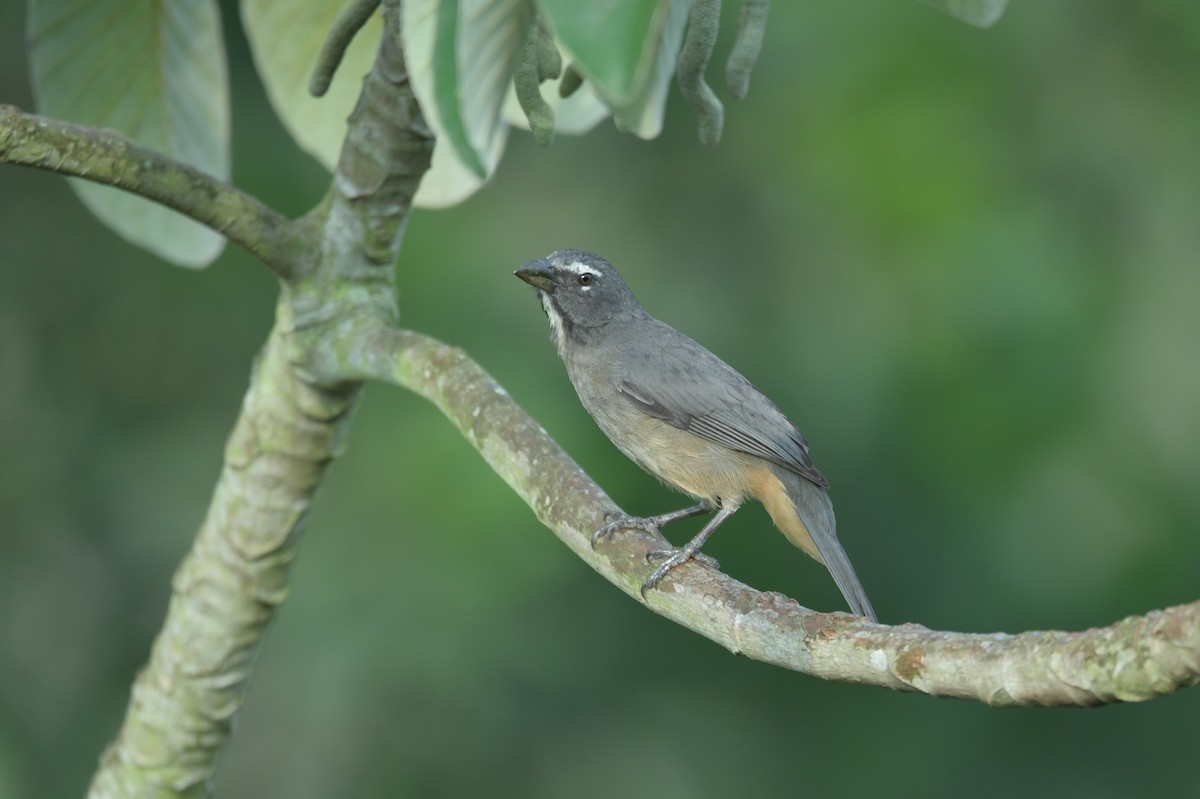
685, 416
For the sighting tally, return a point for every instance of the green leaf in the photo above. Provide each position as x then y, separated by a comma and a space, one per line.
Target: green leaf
155, 71
285, 37
444, 73
488, 45
613, 42
448, 182
643, 116
461, 55
980, 13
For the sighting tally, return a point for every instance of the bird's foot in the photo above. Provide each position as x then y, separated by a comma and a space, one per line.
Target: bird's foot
650, 524
672, 558
620, 521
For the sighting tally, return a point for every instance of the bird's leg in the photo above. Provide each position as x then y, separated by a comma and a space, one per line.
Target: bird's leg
649, 523
690, 550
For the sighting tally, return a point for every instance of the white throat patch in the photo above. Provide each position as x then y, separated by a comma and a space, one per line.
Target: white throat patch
557, 335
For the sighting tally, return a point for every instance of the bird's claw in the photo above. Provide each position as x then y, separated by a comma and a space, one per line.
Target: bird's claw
623, 522
706, 560
672, 558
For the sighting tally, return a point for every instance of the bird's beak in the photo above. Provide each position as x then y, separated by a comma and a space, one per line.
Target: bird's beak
537, 274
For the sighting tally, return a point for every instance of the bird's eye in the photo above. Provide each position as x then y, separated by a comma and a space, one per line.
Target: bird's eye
586, 279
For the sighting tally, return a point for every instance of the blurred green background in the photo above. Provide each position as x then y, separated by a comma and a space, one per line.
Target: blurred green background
964, 262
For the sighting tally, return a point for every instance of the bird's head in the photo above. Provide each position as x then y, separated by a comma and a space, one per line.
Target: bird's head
581, 293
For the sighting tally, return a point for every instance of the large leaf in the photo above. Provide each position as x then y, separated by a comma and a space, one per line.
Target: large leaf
643, 115
285, 37
613, 42
981, 13
461, 55
448, 182
155, 71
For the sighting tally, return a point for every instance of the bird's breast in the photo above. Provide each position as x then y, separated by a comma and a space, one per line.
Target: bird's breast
682, 460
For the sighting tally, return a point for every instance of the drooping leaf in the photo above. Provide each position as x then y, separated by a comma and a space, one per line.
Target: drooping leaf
435, 81
153, 70
644, 114
980, 13
448, 182
461, 55
489, 40
613, 42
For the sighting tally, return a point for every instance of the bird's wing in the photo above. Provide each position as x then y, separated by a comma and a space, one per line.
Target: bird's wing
688, 387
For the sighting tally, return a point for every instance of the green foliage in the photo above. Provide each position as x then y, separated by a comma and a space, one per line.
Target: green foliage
153, 70
285, 37
461, 57
91, 65
613, 42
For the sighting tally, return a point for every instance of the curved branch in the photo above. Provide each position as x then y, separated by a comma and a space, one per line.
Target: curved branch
226, 591
106, 157
1132, 660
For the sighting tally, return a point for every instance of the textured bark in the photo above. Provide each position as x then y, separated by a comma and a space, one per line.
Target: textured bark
103, 156
227, 589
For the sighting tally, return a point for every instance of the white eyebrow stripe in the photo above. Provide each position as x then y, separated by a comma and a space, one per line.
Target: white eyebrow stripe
579, 268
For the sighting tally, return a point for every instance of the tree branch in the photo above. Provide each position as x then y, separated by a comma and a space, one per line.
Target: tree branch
294, 416
107, 157
229, 586
1132, 660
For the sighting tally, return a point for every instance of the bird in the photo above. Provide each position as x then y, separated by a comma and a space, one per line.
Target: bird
686, 417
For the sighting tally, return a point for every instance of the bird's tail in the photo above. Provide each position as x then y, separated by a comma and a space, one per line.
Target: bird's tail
806, 518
